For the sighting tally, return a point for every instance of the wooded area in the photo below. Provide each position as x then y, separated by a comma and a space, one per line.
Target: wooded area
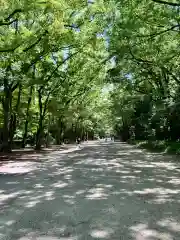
145, 39
52, 72
85, 69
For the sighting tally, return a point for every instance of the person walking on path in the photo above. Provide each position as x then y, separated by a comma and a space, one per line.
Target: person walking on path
78, 140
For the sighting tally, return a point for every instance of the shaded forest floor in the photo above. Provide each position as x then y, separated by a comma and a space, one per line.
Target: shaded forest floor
165, 147
23, 161
29, 154
98, 191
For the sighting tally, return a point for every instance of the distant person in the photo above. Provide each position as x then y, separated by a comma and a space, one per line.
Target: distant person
78, 140
112, 138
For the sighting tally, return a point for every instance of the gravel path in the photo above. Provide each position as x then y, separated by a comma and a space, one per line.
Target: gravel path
100, 191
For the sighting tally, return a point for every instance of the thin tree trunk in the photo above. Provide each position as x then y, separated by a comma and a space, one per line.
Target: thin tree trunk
27, 118
14, 117
59, 134
39, 133
6, 107
41, 119
5, 145
47, 140
42, 113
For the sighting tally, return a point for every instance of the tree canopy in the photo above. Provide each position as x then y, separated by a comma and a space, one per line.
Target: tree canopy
145, 40
77, 68
53, 66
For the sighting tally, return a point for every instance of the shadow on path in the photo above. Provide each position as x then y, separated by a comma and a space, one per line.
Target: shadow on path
102, 191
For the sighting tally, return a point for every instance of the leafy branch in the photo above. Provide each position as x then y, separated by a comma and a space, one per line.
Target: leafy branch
161, 32
26, 49
6, 21
167, 3
35, 43
60, 64
139, 59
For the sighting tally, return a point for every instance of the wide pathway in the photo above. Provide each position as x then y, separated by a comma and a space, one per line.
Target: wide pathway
101, 191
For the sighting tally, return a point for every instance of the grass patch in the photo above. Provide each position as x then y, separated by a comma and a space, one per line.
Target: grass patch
173, 147
158, 146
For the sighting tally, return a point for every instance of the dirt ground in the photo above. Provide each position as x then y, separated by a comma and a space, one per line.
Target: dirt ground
98, 191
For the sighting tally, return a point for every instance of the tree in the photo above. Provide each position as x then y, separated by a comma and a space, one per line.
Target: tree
144, 41
44, 48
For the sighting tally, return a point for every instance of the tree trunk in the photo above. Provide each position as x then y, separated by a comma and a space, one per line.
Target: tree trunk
39, 133
12, 128
6, 102
41, 119
47, 137
82, 133
25, 130
27, 118
59, 135
14, 117
42, 113
5, 144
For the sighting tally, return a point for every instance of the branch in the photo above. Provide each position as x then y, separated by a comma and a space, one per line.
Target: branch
167, 3
73, 26
12, 14
39, 100
34, 44
52, 90
139, 59
75, 97
9, 50
108, 58
80, 92
6, 20
7, 23
47, 99
15, 86
161, 32
56, 48
171, 74
41, 88
140, 91
60, 64
27, 66
46, 103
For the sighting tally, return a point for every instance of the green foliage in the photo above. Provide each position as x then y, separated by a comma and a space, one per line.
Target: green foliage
73, 68
144, 41
51, 69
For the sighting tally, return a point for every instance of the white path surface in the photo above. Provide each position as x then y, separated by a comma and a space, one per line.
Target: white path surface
100, 191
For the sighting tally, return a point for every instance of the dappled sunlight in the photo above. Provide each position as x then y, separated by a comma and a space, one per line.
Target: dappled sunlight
96, 193
80, 192
31, 204
130, 177
29, 237
174, 181
59, 184
38, 185
9, 223
69, 199
101, 234
143, 232
17, 167
170, 223
103, 191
